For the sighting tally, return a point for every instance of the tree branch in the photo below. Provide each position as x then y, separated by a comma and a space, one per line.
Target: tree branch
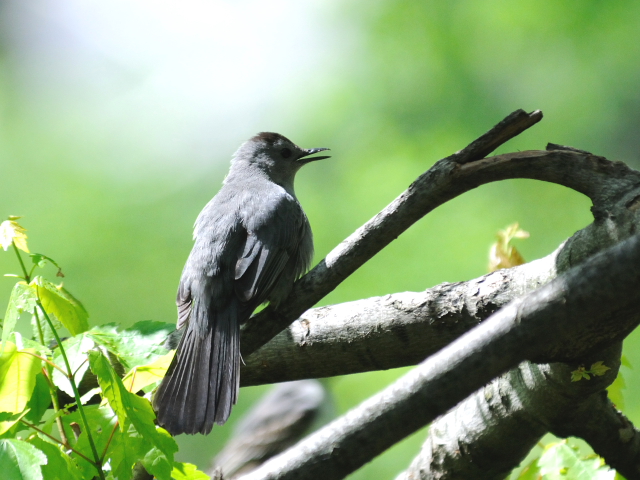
309, 348
584, 310
430, 190
393, 331
493, 430
607, 430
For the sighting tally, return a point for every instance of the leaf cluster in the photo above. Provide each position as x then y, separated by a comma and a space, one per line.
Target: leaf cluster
44, 437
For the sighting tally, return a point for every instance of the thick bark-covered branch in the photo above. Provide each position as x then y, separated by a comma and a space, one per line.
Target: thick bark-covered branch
607, 430
492, 431
393, 331
586, 309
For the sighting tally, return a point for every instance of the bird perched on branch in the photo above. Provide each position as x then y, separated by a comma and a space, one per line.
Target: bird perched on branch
252, 241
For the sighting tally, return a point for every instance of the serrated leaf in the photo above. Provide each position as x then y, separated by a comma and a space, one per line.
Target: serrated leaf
187, 471
12, 232
18, 370
140, 377
132, 409
561, 461
60, 303
23, 299
76, 349
60, 466
101, 423
21, 460
599, 369
127, 449
111, 385
157, 464
140, 344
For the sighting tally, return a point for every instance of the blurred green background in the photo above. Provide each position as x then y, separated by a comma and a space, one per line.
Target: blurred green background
118, 120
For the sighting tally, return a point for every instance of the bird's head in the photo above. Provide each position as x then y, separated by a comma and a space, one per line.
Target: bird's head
276, 155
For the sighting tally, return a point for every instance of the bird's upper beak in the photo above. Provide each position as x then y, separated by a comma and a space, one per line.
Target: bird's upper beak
310, 151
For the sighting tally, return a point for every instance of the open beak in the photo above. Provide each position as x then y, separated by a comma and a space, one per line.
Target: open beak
310, 151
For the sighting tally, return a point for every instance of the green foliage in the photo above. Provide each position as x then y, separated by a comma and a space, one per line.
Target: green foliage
60, 466
568, 459
598, 369
137, 345
561, 461
186, 471
18, 370
62, 305
22, 300
78, 441
21, 460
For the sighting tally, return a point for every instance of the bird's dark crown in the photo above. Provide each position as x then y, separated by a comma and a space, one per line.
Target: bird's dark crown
269, 137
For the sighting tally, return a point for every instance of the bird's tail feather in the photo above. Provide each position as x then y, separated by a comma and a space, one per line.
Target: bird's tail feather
202, 382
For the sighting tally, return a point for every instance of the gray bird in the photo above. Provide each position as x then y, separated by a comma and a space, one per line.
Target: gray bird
252, 241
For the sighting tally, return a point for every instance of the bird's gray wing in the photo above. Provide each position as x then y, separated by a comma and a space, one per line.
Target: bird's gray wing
273, 238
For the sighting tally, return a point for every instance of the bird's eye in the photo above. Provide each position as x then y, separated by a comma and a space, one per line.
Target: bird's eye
285, 152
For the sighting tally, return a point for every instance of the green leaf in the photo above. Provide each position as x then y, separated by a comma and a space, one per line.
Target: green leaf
40, 400
60, 466
60, 303
23, 299
137, 345
530, 472
143, 376
157, 464
76, 349
131, 408
18, 370
561, 461
599, 369
127, 448
20, 460
187, 471
111, 385
10, 423
37, 346
101, 421
41, 260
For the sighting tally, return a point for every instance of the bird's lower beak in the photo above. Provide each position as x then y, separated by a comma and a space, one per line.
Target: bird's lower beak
310, 151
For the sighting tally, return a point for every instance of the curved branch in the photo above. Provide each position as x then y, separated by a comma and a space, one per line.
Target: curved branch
584, 310
427, 192
308, 348
602, 180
